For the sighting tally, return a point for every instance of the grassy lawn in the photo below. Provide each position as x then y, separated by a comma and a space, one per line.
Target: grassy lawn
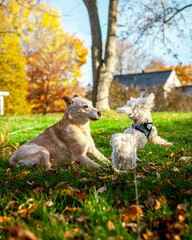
84, 203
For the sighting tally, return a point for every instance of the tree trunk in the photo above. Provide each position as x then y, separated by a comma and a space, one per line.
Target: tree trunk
102, 68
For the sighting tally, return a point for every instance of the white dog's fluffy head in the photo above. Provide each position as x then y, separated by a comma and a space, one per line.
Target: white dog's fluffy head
138, 109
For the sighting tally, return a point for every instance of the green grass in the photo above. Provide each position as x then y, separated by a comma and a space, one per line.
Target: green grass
66, 203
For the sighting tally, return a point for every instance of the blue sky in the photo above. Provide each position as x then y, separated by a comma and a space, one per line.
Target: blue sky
76, 21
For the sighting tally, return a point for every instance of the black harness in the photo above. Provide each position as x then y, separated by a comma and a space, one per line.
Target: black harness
144, 128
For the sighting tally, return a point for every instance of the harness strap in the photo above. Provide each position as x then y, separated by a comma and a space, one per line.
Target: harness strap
145, 128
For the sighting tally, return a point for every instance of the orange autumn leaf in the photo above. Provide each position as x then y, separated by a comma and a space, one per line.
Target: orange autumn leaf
134, 212
8, 172
4, 219
22, 175
110, 225
106, 177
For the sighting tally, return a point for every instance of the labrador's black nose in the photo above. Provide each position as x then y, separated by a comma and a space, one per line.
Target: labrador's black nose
99, 113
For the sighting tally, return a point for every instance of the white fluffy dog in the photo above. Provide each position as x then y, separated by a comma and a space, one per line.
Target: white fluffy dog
126, 144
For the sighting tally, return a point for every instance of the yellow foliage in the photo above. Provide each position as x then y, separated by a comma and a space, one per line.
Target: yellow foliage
39, 62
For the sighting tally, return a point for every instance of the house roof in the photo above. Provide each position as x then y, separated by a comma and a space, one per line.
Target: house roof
4, 93
142, 80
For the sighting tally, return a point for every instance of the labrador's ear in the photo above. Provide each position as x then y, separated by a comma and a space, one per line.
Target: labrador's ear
67, 100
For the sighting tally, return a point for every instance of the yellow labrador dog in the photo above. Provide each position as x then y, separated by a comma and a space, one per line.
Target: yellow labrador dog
68, 140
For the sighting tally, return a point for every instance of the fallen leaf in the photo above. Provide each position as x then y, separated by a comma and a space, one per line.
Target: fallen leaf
157, 204
185, 158
181, 214
55, 217
83, 179
76, 229
4, 219
181, 206
168, 163
61, 184
19, 232
102, 189
81, 219
175, 169
106, 177
157, 190
180, 153
8, 172
110, 225
133, 213
24, 210
163, 200
22, 175
71, 209
38, 189
171, 155
148, 235
10, 204
189, 192
49, 203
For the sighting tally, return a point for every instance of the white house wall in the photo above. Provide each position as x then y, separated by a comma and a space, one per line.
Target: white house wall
172, 81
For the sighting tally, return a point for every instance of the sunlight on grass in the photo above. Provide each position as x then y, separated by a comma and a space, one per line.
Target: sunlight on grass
78, 202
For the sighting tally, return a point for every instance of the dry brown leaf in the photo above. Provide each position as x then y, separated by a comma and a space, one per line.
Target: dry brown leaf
61, 184
189, 192
19, 232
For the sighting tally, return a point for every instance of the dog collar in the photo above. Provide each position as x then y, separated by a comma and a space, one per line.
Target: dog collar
145, 128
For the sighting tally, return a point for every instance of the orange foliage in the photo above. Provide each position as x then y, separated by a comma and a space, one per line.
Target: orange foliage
184, 72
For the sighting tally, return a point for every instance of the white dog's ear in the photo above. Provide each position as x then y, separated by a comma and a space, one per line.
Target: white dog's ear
67, 100
75, 96
150, 101
125, 109
151, 97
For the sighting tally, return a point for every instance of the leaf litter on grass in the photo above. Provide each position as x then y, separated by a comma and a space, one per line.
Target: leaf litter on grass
164, 195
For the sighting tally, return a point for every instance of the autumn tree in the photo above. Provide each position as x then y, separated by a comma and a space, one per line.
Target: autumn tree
37, 55
12, 61
155, 65
53, 61
102, 66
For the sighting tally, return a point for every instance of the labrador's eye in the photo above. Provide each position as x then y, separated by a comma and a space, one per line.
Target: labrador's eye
85, 107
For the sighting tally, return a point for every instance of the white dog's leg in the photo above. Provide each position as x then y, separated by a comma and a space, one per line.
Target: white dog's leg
86, 161
96, 155
155, 139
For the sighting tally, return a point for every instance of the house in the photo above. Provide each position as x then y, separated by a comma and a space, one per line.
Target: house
167, 79
2, 94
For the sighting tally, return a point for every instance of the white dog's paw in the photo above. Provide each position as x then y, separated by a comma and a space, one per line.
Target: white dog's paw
168, 144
